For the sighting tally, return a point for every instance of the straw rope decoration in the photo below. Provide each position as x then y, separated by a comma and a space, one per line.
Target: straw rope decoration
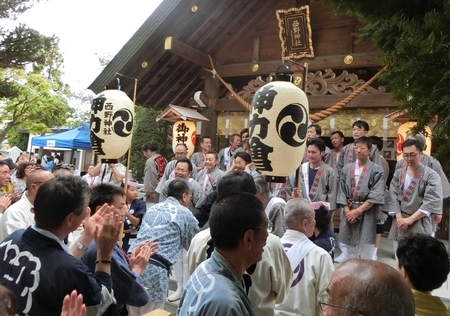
316, 117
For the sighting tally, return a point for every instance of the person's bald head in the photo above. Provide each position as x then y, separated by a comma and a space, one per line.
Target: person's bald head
35, 180
370, 288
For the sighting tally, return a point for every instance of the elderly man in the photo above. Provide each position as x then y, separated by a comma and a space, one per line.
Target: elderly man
267, 281
183, 170
311, 264
19, 215
127, 286
239, 232
424, 263
39, 268
169, 172
154, 170
370, 288
273, 206
198, 158
172, 224
226, 154
360, 192
210, 175
415, 194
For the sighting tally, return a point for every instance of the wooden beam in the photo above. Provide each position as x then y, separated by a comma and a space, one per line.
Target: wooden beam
317, 103
316, 63
187, 52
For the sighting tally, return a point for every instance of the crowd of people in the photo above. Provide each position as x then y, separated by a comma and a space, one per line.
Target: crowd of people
235, 244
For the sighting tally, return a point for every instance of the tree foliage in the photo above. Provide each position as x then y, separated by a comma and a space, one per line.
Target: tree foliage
413, 38
146, 129
34, 104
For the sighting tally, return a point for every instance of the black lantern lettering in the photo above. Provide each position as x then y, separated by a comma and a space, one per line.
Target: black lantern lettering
98, 103
96, 143
263, 125
95, 123
260, 154
263, 99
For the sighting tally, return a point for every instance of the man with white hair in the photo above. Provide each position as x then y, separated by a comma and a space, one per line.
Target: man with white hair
311, 264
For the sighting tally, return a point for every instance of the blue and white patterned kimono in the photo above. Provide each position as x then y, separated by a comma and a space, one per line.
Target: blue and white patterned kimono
173, 226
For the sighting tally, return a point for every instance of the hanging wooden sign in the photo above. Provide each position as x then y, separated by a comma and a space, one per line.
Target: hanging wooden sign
295, 33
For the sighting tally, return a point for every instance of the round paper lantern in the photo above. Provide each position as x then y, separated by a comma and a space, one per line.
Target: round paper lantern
401, 137
278, 125
112, 114
184, 132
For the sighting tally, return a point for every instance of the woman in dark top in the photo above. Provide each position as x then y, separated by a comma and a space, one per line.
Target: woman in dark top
323, 236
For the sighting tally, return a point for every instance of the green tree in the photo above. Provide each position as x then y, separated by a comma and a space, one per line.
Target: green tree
146, 129
35, 103
413, 38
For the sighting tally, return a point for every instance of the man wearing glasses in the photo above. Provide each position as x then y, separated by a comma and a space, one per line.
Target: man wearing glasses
415, 194
367, 288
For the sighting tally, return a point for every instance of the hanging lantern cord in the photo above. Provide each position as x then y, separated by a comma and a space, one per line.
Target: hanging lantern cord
238, 97
316, 117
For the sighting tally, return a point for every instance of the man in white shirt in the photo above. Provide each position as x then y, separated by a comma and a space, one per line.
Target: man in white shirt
19, 215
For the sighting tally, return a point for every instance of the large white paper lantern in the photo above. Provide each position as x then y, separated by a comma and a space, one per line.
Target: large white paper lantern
112, 115
401, 137
278, 126
184, 132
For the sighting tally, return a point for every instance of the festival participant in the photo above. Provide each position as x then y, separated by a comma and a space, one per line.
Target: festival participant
238, 228
311, 264
23, 171
126, 281
245, 134
434, 164
183, 170
154, 170
337, 140
317, 179
134, 212
370, 288
198, 158
243, 162
109, 173
181, 152
89, 178
210, 175
19, 215
5, 179
424, 263
348, 152
39, 268
173, 225
315, 131
273, 207
360, 193
415, 194
323, 236
226, 154
267, 281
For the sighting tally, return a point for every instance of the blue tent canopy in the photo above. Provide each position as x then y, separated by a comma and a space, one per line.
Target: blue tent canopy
76, 138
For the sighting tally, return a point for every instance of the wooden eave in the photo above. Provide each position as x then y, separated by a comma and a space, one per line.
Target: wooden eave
219, 28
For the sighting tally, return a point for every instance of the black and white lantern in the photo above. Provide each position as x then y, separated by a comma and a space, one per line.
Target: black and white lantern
112, 115
278, 126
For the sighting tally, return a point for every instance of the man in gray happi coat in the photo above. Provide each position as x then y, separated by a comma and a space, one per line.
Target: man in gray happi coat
415, 194
360, 192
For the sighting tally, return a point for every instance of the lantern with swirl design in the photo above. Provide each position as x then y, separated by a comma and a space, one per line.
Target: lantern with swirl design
278, 126
112, 115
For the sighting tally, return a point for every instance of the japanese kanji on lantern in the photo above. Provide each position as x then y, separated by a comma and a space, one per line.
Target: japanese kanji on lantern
402, 132
184, 132
112, 114
278, 126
